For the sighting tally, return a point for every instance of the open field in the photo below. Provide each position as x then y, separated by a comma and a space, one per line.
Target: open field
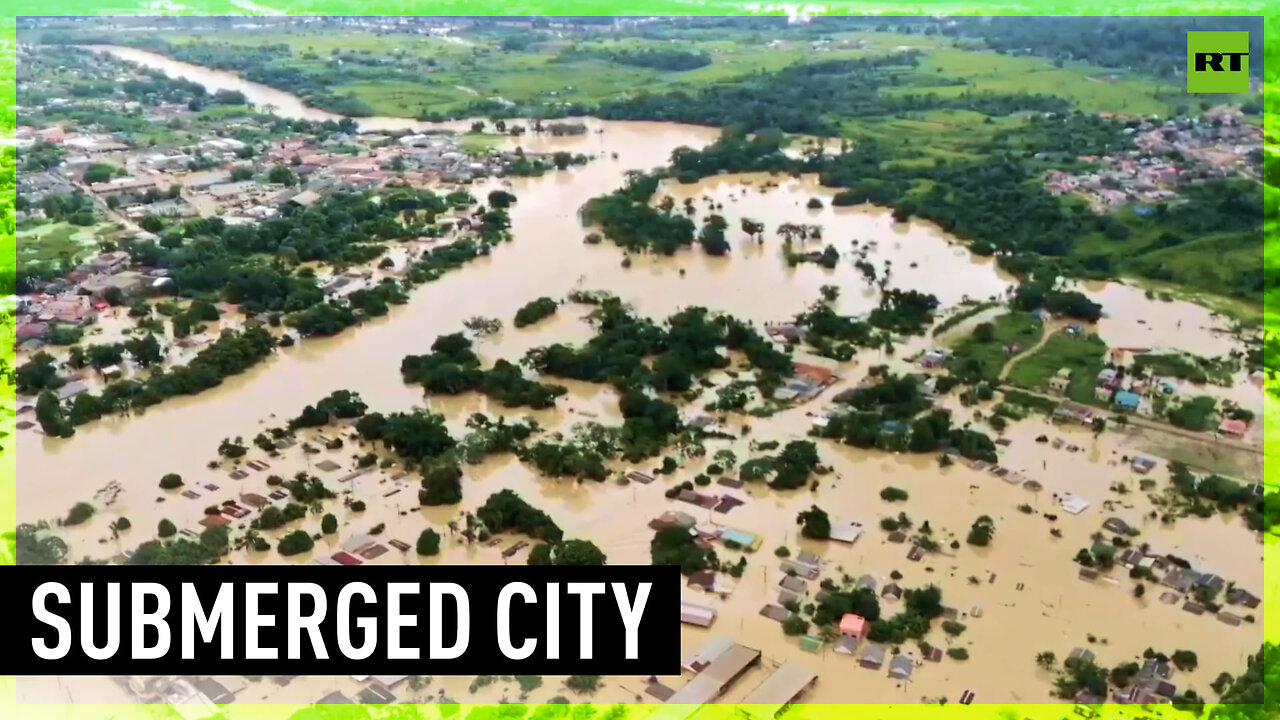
1092, 89
1016, 328
53, 242
1085, 355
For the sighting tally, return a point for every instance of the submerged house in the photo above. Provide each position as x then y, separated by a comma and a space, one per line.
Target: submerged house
777, 692
699, 615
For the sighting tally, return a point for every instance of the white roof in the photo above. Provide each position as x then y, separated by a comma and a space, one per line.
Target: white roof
846, 531
710, 650
1072, 504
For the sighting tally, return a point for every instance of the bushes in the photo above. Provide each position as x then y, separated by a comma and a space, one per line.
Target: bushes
79, 513
1185, 660
428, 543
534, 311
795, 625
166, 529
295, 543
893, 494
328, 524
983, 529
816, 523
441, 485
171, 481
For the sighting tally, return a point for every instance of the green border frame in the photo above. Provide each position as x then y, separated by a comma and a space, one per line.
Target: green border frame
8, 455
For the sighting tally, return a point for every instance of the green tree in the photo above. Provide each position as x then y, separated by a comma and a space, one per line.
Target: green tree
282, 175
983, 529
295, 543
816, 523
429, 543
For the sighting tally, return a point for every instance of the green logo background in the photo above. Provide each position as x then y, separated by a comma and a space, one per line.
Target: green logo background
1213, 81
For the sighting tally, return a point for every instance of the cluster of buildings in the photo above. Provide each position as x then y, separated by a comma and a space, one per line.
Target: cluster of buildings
77, 299
1169, 153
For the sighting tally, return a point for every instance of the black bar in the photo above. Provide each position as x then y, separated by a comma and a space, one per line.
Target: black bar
658, 636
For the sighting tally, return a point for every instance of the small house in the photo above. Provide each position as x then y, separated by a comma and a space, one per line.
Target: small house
872, 657
1079, 656
1214, 583
1115, 525
846, 645
900, 667
1126, 400
1142, 465
845, 531
853, 625
794, 567
1059, 382
1233, 428
794, 584
1102, 393
1239, 596
741, 538
698, 615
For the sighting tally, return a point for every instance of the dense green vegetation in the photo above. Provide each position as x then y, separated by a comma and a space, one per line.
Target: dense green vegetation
453, 368
677, 546
812, 98
674, 60
231, 354
209, 259
1156, 46
682, 350
580, 553
983, 354
506, 511
535, 310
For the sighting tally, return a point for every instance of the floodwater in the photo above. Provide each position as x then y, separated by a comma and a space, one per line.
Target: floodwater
1024, 583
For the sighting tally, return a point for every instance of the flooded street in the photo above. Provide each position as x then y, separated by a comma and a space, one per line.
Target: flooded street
1024, 585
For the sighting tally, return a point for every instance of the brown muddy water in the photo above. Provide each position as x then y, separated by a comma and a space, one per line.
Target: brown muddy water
1026, 589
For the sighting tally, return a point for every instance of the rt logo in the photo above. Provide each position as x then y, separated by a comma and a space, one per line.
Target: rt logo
1217, 62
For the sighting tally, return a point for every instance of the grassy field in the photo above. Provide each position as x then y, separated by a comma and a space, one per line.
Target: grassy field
52, 242
1084, 354
952, 134
1019, 328
1092, 89
478, 144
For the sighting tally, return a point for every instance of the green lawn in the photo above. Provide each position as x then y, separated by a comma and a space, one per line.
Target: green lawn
1019, 328
1084, 354
51, 242
1093, 89
478, 144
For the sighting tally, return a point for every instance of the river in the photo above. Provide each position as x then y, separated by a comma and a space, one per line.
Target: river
1032, 584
